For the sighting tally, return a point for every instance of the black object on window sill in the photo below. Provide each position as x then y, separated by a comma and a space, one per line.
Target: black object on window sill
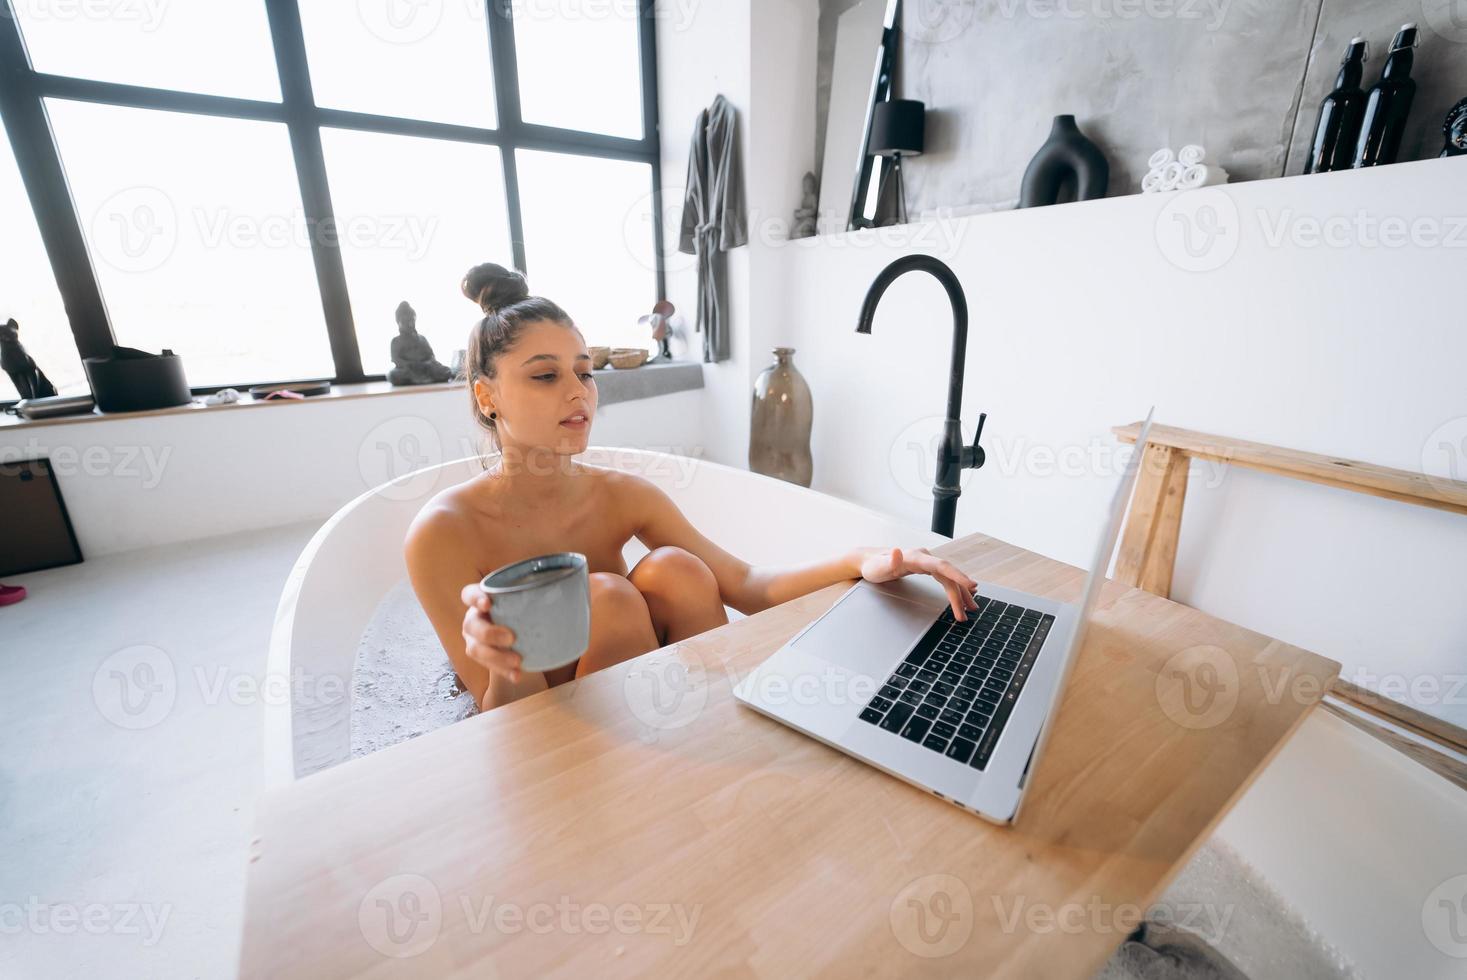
54, 405
132, 380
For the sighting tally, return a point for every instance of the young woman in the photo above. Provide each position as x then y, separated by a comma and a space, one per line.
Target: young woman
533, 390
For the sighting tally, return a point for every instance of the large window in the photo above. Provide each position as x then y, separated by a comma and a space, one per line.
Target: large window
219, 47
589, 223
197, 237
414, 214
28, 293
257, 184
402, 58
601, 45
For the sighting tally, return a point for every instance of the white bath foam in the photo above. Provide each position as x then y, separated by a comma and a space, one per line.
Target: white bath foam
1224, 902
402, 684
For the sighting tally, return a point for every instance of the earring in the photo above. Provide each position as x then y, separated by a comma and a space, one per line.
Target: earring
493, 415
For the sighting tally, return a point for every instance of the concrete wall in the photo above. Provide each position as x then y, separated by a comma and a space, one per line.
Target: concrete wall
1242, 78
1440, 69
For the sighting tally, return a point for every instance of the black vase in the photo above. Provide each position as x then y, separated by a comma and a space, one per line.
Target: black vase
1066, 156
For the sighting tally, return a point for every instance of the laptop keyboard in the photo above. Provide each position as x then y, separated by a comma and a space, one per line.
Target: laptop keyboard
954, 692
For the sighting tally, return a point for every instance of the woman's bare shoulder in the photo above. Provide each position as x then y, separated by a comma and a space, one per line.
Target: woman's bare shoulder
446, 517
620, 487
635, 499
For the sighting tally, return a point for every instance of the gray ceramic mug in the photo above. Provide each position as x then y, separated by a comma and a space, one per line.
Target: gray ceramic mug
546, 601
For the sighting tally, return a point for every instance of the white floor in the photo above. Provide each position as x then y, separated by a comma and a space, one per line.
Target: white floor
130, 706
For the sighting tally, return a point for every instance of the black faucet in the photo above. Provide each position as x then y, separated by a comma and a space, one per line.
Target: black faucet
953, 457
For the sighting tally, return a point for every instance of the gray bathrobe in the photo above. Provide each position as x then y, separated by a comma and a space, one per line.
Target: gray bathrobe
714, 219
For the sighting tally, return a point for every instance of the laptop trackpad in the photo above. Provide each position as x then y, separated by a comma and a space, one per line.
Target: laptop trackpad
868, 631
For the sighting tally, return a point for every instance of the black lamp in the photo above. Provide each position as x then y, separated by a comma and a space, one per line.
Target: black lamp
897, 128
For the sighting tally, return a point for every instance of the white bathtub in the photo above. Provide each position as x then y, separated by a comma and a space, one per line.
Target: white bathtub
1334, 862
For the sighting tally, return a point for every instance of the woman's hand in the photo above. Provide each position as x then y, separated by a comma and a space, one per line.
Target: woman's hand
884, 565
485, 641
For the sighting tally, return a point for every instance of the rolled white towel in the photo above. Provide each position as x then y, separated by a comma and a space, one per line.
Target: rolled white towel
1191, 154
1161, 158
1203, 175
1151, 183
1171, 175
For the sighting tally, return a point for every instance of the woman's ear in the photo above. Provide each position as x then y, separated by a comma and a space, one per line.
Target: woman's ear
483, 395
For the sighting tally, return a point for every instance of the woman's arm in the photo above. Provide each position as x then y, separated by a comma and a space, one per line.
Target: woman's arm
750, 589
440, 565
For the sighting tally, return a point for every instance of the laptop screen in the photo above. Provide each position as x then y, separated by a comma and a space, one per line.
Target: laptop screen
1099, 565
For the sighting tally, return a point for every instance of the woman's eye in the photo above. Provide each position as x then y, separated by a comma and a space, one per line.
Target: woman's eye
588, 375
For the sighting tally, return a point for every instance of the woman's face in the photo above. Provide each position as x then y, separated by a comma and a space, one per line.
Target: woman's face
543, 380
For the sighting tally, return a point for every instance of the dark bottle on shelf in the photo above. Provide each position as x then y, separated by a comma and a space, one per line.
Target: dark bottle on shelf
1339, 115
1388, 104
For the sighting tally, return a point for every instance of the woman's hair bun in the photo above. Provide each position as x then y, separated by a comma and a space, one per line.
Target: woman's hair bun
494, 287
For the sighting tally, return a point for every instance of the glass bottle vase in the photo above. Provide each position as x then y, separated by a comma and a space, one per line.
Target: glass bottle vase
779, 429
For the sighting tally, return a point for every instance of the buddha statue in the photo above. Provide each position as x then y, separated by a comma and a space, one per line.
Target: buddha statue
805, 213
413, 362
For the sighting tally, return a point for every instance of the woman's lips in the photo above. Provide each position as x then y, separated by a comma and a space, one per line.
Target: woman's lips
579, 423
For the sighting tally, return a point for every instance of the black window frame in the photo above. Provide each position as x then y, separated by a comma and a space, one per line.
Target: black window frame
23, 91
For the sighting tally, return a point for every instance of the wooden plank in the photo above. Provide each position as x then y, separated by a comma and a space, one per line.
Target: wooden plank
1149, 546
1417, 722
726, 843
1448, 765
1347, 474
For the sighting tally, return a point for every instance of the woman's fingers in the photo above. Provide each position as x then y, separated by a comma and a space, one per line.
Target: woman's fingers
949, 570
951, 577
954, 595
485, 641
474, 597
488, 633
498, 659
958, 586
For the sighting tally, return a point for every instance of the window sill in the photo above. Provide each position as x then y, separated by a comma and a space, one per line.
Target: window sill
613, 385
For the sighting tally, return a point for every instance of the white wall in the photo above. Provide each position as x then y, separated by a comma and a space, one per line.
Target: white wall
131, 483
757, 53
1083, 315
702, 51
780, 151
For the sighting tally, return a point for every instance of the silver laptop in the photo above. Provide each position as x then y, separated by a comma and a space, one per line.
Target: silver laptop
960, 709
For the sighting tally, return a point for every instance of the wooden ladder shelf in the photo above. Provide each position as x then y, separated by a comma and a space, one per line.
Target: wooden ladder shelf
1149, 552
1149, 546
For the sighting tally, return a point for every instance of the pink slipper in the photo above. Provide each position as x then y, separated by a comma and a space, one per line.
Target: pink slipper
11, 594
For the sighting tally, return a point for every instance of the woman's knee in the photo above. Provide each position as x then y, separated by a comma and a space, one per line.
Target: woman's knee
617, 604
669, 569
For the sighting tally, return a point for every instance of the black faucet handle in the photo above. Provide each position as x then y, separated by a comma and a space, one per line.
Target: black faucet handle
974, 456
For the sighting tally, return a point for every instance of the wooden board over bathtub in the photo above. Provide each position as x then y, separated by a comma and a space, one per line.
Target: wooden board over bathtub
596, 831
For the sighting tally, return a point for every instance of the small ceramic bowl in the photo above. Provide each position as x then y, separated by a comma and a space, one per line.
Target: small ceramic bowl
599, 357
628, 357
